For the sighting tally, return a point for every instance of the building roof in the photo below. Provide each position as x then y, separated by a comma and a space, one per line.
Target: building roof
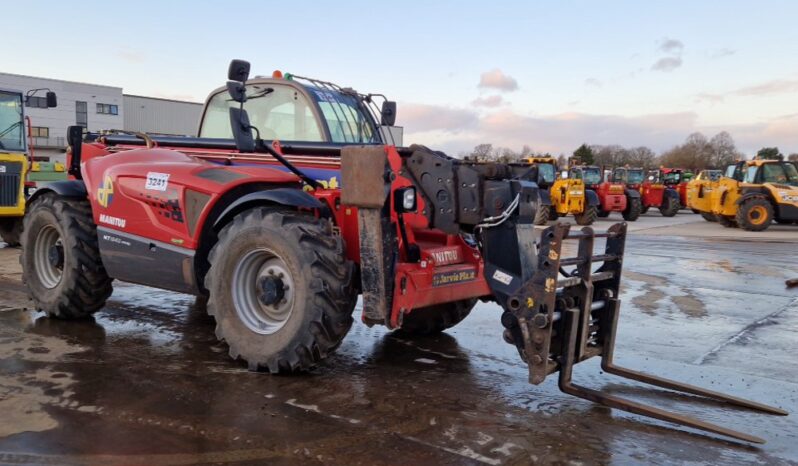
59, 80
162, 99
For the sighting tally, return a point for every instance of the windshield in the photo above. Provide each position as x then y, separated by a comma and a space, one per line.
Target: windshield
12, 134
783, 173
672, 177
635, 176
277, 111
591, 175
548, 172
792, 174
345, 117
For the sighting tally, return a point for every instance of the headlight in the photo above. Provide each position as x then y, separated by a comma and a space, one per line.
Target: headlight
405, 199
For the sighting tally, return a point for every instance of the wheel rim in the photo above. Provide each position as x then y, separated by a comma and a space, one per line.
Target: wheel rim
48, 255
757, 215
263, 291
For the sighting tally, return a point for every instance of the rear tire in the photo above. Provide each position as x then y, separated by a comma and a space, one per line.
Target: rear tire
601, 213
754, 214
588, 216
670, 207
633, 208
543, 215
709, 216
61, 264
725, 221
435, 319
11, 230
281, 289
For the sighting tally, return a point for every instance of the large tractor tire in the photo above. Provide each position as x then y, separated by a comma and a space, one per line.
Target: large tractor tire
281, 289
588, 216
435, 319
725, 221
544, 214
11, 230
670, 207
601, 213
755, 214
709, 216
633, 209
644, 210
61, 264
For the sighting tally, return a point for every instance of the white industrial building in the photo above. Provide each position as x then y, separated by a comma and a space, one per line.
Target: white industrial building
96, 107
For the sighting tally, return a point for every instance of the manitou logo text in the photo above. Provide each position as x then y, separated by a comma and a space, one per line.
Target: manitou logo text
113, 221
447, 256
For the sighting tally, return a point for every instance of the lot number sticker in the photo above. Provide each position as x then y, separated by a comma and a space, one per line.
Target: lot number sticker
157, 181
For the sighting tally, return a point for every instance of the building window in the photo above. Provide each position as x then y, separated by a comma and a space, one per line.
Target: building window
36, 102
108, 109
82, 114
39, 132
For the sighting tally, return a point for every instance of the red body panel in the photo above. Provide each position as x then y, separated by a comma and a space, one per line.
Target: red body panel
153, 194
651, 194
611, 196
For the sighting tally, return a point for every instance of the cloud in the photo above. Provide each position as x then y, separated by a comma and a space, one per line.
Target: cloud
775, 87
421, 118
720, 53
593, 82
489, 101
667, 64
671, 47
496, 79
778, 86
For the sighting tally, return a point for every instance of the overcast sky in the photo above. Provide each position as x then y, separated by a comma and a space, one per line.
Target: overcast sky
548, 74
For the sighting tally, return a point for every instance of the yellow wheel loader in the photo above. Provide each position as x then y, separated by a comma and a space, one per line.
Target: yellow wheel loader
566, 196
757, 193
14, 163
699, 190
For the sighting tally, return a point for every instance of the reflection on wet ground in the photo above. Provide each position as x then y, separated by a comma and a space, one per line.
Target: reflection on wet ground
146, 382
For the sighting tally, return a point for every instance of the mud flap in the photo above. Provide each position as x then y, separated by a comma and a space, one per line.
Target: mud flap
365, 184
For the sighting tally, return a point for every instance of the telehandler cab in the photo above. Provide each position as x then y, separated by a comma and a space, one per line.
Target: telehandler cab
613, 196
653, 191
699, 191
293, 201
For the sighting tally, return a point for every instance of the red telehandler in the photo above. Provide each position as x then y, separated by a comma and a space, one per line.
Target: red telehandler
293, 201
653, 191
613, 196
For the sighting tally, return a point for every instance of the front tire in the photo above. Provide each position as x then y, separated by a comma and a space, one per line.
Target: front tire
709, 216
281, 289
543, 215
588, 216
61, 264
435, 319
633, 209
670, 207
755, 214
11, 230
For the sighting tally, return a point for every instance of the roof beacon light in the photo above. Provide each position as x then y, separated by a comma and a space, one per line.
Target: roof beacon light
277, 74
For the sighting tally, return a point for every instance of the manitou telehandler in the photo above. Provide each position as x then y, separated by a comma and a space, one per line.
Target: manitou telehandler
14, 162
292, 202
613, 196
562, 196
653, 191
676, 179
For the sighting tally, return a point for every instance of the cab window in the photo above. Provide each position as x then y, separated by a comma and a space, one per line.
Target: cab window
278, 112
345, 117
792, 174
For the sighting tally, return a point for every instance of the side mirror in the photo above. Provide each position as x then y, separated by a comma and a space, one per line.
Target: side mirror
237, 91
242, 130
388, 113
238, 71
75, 141
52, 100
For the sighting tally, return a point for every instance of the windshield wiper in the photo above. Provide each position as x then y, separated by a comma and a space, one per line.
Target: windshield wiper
260, 94
10, 128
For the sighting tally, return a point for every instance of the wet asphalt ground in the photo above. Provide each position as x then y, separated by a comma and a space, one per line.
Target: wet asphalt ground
147, 383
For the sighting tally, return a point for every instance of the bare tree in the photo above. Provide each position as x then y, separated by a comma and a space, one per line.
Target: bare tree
724, 152
793, 157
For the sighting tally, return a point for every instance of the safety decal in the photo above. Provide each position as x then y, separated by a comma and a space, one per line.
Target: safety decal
157, 181
450, 278
502, 277
105, 193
